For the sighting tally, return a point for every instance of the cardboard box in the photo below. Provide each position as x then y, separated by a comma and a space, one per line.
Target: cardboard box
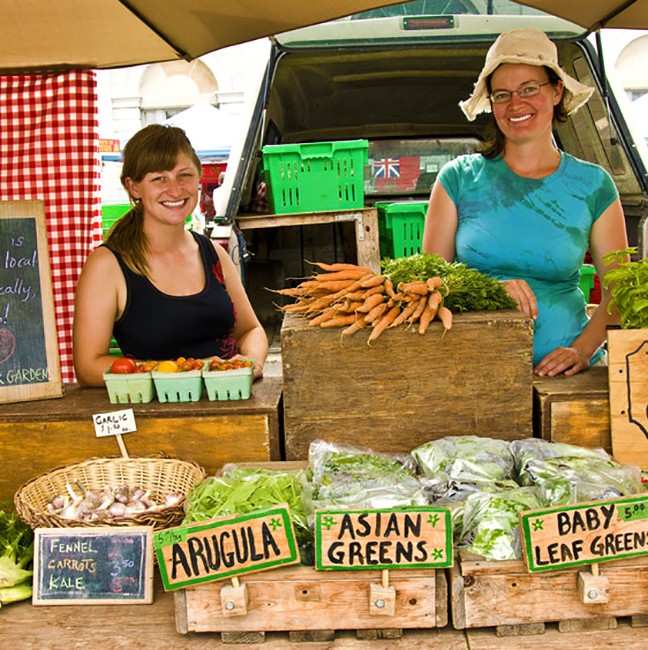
406, 389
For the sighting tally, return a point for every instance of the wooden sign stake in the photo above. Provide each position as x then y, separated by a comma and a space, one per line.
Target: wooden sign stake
382, 597
234, 599
122, 446
593, 588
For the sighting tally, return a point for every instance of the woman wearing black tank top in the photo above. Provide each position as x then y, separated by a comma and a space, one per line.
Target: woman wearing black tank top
161, 290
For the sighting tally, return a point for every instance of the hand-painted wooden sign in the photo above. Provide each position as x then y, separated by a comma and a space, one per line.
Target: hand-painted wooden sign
383, 539
224, 548
570, 536
93, 566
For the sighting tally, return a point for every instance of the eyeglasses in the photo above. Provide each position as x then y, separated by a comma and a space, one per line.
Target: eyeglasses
525, 91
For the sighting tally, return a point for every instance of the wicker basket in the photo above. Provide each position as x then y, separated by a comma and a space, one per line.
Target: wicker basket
162, 476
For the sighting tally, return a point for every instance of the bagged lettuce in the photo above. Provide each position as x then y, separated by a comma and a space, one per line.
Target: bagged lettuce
349, 477
564, 473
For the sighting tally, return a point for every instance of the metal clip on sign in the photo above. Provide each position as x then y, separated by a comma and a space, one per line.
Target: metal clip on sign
593, 588
382, 597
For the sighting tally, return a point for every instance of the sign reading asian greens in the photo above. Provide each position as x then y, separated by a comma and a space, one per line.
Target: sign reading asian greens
569, 536
383, 539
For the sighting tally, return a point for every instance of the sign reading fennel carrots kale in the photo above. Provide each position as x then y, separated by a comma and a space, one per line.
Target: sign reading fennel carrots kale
418, 537
411, 291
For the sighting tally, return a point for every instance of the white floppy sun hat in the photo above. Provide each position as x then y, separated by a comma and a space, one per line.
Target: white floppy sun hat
531, 47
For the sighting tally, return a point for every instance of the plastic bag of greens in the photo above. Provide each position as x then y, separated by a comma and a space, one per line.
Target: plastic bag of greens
466, 458
350, 477
491, 522
566, 473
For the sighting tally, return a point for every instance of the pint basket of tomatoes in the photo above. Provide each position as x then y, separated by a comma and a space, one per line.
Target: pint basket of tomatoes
228, 379
129, 382
178, 380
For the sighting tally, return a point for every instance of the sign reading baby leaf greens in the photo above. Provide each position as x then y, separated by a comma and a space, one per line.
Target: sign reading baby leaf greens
569, 536
383, 539
224, 548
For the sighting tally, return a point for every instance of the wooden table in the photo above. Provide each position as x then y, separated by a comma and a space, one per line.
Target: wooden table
38, 436
366, 228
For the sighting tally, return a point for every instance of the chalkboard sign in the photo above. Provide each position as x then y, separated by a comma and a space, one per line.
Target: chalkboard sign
93, 566
29, 362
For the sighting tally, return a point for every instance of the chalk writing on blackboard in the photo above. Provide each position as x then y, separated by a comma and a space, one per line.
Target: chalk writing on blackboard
93, 565
29, 366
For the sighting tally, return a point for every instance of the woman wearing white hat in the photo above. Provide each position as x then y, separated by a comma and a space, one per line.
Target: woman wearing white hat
525, 212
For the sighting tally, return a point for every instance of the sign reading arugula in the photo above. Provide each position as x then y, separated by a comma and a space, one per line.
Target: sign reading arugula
569, 536
383, 539
225, 548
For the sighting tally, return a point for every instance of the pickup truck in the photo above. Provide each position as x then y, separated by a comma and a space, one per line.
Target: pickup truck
394, 77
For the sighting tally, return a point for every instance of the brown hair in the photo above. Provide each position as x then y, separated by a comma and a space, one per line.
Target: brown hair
152, 149
494, 142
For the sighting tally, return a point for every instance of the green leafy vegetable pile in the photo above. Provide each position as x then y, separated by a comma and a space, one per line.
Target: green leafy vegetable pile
16, 557
241, 490
628, 284
468, 288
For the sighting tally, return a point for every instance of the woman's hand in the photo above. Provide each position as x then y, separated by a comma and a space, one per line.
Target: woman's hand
569, 361
521, 292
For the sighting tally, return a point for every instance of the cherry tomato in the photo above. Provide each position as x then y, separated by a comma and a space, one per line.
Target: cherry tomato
123, 366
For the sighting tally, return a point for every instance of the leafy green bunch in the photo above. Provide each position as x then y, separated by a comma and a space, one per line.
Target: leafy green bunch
628, 285
467, 289
16, 557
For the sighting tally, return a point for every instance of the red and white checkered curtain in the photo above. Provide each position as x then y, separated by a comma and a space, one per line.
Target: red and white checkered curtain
49, 150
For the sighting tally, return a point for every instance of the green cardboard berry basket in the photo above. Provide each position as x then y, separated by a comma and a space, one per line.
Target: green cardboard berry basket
131, 388
178, 386
225, 385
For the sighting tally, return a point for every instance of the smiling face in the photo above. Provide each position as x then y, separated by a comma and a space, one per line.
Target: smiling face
168, 196
524, 119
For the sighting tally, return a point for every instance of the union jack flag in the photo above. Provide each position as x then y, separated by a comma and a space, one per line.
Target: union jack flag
387, 168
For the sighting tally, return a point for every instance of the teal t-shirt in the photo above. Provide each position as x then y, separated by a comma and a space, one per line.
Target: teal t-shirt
534, 229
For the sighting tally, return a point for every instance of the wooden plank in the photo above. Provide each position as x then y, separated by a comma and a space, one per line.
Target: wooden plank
366, 228
300, 598
480, 599
628, 377
406, 389
40, 439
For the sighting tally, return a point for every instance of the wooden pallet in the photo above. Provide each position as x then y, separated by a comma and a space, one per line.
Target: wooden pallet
504, 595
313, 605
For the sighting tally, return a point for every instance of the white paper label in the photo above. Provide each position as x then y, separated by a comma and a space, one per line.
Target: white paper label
112, 424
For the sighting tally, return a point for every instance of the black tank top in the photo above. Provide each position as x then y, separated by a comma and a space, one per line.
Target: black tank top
158, 326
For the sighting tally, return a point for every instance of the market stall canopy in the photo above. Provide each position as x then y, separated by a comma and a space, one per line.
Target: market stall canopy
45, 36
596, 14
210, 130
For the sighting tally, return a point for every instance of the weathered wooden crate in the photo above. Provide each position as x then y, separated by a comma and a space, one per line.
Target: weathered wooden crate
574, 410
406, 389
312, 605
506, 596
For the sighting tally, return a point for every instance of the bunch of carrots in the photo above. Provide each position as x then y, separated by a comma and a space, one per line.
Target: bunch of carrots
354, 297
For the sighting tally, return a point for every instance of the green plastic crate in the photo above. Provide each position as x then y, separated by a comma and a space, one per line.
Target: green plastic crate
315, 176
400, 226
587, 273
224, 385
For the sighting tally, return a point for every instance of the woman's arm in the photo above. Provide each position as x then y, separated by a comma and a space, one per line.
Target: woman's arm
250, 336
608, 234
440, 224
95, 310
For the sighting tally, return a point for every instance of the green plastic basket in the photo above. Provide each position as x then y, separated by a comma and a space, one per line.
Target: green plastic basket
315, 176
178, 386
587, 273
135, 388
400, 226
